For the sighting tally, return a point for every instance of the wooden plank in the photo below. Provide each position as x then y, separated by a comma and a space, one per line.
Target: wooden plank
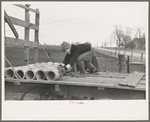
79, 83
108, 75
27, 8
7, 19
132, 80
136, 80
113, 73
22, 23
20, 42
142, 82
128, 79
137, 63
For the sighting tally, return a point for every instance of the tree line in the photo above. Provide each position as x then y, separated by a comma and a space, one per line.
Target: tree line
127, 38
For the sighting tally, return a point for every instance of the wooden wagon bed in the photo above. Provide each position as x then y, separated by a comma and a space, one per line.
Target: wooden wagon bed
132, 85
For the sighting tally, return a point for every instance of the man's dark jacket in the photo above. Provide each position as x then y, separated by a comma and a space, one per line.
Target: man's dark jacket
76, 51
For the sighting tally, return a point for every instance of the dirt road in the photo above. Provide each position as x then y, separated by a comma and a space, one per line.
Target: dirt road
134, 57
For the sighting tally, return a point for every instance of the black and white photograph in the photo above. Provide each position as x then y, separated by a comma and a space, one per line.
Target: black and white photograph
74, 60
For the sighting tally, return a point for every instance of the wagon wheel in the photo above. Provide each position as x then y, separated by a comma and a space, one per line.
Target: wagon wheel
38, 93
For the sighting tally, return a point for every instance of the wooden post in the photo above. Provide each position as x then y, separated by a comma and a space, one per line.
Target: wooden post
119, 49
127, 64
122, 63
131, 55
115, 51
57, 87
7, 19
36, 37
4, 41
141, 56
124, 51
26, 48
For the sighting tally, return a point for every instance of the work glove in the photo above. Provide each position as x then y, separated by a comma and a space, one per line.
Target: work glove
60, 66
62, 70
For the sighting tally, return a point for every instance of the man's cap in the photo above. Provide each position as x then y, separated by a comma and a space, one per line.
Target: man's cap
65, 46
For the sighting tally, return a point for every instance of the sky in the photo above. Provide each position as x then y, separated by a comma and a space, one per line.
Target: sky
79, 21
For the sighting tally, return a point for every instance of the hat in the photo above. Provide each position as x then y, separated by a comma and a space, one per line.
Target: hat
65, 46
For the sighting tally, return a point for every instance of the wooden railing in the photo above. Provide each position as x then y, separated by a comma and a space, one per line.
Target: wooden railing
27, 25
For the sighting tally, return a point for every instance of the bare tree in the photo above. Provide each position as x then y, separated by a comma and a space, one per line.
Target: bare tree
140, 37
112, 39
139, 32
126, 39
118, 33
105, 44
127, 36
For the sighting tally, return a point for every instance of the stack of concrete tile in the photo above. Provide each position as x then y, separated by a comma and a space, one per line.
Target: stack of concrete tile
37, 71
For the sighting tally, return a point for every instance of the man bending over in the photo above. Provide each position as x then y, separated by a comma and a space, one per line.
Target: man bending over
81, 54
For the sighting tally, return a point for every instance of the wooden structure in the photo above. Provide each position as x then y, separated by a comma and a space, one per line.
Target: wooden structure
27, 25
105, 85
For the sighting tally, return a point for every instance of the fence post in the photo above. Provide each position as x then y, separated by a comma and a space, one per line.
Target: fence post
141, 56
26, 48
127, 64
115, 51
124, 51
131, 55
119, 50
122, 63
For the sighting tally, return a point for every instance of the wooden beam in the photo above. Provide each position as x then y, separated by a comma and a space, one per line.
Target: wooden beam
36, 54
37, 21
26, 37
22, 23
27, 19
27, 8
7, 19
36, 37
20, 42
26, 55
79, 83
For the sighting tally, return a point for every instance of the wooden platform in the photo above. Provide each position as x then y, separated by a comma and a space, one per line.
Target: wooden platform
102, 80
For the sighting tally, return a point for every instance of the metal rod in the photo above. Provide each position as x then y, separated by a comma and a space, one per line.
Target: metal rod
46, 53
